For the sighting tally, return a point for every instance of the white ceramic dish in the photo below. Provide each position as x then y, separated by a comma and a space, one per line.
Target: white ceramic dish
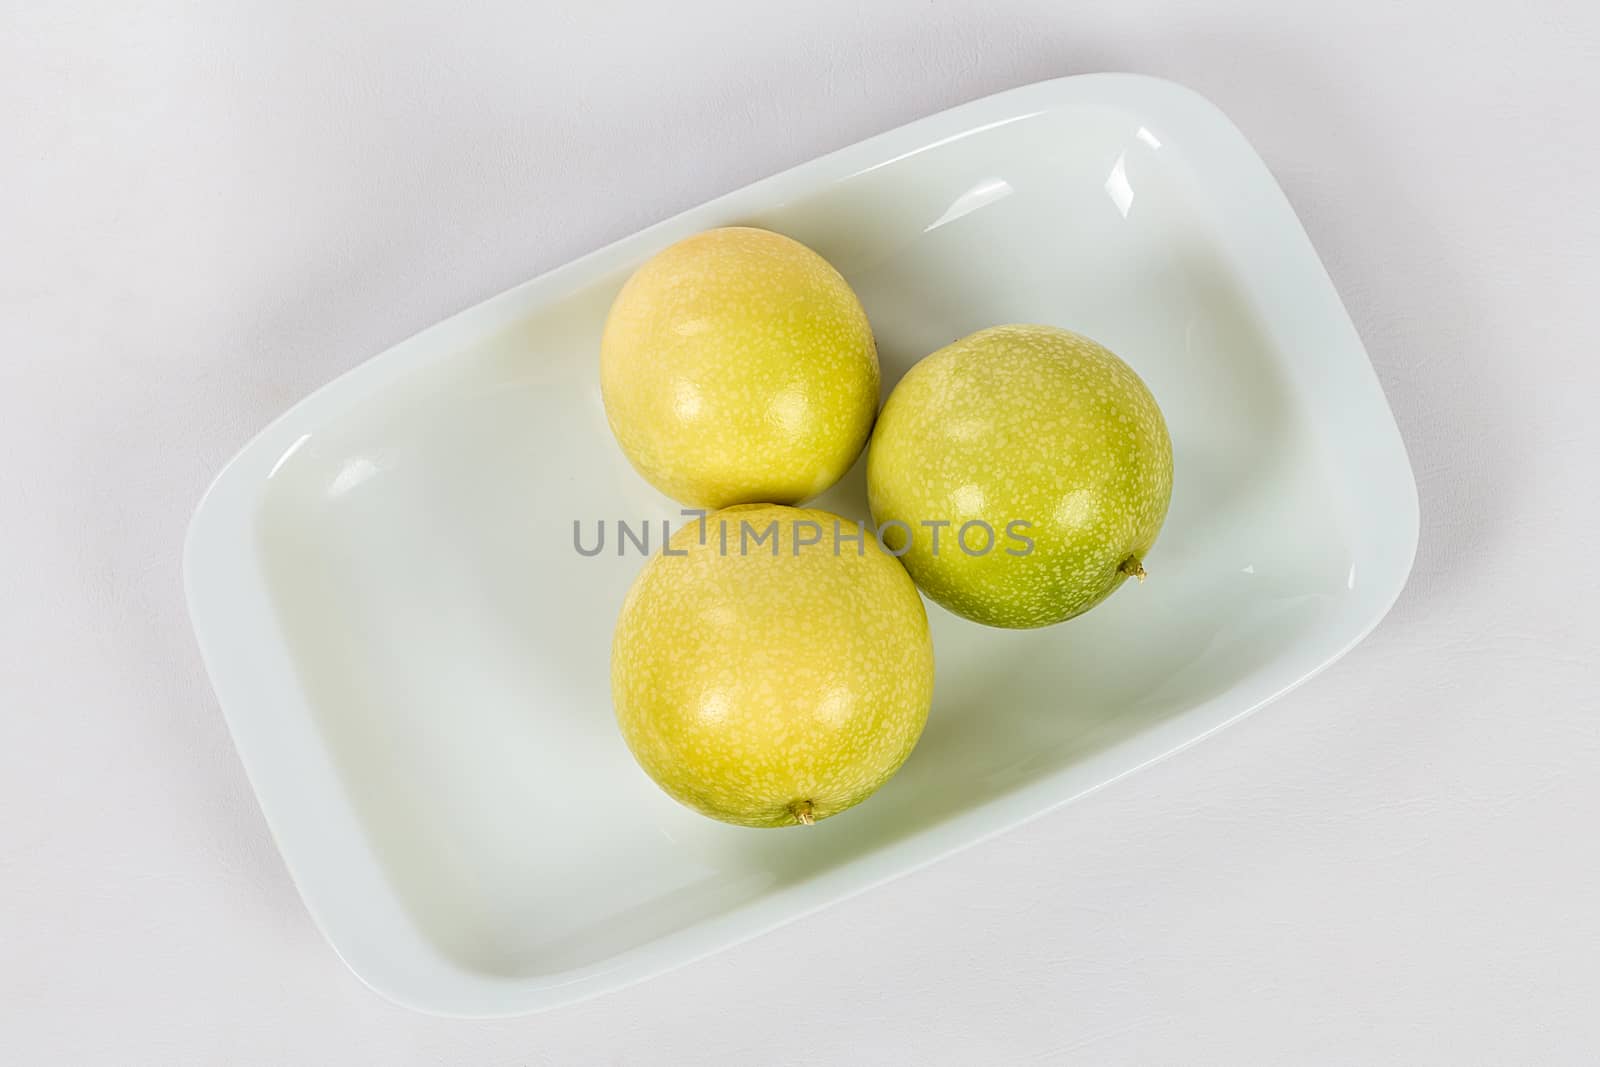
412, 656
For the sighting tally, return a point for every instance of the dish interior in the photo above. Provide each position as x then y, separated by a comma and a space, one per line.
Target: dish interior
453, 644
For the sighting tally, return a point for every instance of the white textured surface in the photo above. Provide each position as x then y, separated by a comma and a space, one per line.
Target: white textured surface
205, 213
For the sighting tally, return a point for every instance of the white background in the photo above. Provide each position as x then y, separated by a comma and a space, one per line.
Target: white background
208, 210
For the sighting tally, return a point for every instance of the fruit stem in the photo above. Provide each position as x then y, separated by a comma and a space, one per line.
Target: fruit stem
1133, 568
801, 810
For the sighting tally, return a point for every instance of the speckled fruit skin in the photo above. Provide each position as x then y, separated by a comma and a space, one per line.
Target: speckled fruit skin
737, 366
1031, 423
771, 691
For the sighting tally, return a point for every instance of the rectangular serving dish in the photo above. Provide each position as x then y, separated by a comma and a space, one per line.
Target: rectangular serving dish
412, 657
